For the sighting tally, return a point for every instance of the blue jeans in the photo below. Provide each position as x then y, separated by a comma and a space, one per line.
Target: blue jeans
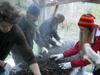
2, 71
96, 72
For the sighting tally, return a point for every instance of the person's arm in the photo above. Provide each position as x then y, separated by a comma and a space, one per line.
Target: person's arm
59, 42
66, 53
91, 55
50, 40
45, 32
72, 51
79, 62
74, 63
26, 52
56, 36
29, 37
35, 69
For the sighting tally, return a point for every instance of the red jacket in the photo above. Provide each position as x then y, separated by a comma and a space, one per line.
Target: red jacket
81, 61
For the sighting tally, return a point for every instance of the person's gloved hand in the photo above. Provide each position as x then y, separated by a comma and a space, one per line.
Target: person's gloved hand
87, 58
62, 42
58, 44
57, 56
66, 65
7, 68
44, 49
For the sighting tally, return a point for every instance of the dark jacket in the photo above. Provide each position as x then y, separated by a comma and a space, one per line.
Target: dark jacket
15, 36
29, 32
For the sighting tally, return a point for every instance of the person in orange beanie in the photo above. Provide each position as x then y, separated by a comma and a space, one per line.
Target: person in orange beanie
89, 33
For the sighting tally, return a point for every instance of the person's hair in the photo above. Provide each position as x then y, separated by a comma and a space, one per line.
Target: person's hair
8, 13
60, 17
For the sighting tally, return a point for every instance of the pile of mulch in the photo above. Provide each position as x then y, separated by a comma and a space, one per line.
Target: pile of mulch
50, 67
47, 66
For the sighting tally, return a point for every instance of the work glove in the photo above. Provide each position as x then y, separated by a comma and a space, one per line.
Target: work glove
62, 42
7, 68
44, 49
91, 55
58, 44
65, 65
57, 56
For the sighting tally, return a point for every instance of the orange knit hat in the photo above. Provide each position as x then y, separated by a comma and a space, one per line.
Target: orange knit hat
86, 20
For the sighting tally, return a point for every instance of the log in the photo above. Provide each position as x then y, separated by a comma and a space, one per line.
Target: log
54, 3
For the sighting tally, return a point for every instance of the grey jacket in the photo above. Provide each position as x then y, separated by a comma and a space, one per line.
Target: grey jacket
29, 32
48, 30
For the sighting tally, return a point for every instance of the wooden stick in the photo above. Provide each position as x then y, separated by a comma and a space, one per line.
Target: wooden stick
70, 1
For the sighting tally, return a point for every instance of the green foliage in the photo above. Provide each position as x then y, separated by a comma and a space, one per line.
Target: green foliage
89, 68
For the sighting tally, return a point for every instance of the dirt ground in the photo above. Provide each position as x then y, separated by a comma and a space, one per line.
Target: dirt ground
47, 66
